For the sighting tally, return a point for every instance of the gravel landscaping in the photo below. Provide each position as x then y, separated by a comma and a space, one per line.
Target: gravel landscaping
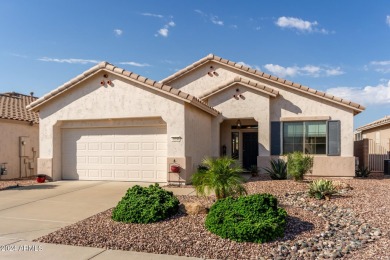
13, 183
352, 225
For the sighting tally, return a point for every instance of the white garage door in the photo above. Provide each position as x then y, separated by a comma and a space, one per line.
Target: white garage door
127, 154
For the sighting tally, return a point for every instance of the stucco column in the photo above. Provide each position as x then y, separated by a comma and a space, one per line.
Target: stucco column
216, 135
264, 131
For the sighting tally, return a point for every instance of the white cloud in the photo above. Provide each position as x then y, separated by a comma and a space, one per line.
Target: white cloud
248, 65
299, 25
70, 61
281, 71
136, 64
199, 12
308, 70
380, 66
18, 55
368, 95
165, 30
388, 20
215, 20
212, 18
153, 15
118, 32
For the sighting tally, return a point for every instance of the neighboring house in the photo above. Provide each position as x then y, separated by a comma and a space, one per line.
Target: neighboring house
372, 144
19, 136
112, 124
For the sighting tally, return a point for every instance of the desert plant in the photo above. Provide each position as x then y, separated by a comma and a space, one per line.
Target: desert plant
321, 189
362, 172
145, 205
254, 218
254, 170
298, 164
278, 169
222, 176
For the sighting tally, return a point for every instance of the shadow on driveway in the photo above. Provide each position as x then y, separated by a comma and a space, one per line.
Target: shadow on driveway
31, 187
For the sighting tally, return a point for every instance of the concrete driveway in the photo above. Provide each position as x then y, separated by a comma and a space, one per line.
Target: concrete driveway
30, 212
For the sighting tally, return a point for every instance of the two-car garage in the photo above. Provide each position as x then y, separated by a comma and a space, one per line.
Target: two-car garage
115, 153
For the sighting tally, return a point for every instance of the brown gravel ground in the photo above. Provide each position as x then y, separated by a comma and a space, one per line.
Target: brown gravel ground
12, 183
185, 235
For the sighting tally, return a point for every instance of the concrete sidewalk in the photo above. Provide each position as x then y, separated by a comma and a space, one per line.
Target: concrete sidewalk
22, 249
27, 213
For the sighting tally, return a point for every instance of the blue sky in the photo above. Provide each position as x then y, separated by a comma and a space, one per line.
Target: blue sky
341, 47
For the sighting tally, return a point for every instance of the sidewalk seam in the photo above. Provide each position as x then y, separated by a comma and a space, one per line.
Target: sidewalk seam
98, 253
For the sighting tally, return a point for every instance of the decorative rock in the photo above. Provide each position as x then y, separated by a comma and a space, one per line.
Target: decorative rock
193, 208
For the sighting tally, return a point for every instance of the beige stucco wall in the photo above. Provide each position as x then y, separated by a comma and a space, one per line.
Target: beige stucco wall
17, 166
384, 135
289, 103
299, 105
124, 99
198, 136
252, 105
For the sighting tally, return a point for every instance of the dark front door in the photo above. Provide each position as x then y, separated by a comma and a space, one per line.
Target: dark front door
249, 149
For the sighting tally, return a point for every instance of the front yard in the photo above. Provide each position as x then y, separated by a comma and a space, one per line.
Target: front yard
354, 224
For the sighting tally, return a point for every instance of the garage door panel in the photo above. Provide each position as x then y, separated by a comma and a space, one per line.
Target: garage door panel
132, 154
106, 159
133, 160
148, 174
133, 146
120, 160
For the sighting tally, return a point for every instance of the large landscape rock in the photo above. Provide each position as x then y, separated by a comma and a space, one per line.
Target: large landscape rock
193, 208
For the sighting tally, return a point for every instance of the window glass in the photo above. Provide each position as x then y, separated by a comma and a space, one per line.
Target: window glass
307, 137
235, 145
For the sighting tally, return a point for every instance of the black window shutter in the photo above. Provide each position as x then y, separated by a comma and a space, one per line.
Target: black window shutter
275, 138
334, 136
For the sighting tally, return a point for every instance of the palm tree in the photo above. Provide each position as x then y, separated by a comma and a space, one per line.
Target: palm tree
221, 175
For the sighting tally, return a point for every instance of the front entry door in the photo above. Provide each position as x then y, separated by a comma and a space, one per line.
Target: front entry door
249, 149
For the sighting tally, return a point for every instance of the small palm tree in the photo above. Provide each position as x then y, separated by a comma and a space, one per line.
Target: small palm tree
220, 175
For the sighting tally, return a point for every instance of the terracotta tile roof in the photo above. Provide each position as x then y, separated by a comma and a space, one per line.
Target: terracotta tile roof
245, 82
13, 106
380, 122
211, 57
105, 66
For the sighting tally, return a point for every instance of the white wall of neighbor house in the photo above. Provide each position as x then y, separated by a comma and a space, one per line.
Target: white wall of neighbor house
124, 99
19, 164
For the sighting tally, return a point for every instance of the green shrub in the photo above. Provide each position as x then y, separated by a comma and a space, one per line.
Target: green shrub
146, 205
254, 170
321, 189
298, 164
278, 169
254, 218
221, 176
362, 172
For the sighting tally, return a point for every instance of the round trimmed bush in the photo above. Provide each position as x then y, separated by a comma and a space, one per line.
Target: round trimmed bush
146, 205
254, 218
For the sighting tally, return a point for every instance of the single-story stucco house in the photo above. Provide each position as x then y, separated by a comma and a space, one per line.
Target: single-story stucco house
112, 124
19, 136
